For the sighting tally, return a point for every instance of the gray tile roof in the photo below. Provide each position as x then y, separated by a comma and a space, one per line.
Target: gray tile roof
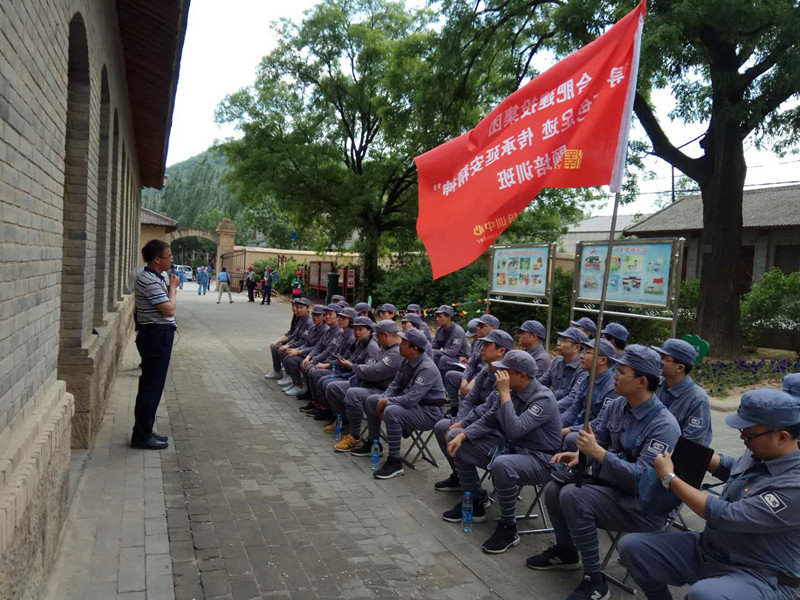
148, 217
602, 223
763, 208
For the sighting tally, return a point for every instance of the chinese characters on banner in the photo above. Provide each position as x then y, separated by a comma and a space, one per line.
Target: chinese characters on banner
566, 128
638, 273
519, 270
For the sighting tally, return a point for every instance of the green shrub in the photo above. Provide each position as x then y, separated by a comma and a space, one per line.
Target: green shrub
772, 305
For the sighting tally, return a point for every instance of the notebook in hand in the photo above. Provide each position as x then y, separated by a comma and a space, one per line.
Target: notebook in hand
691, 461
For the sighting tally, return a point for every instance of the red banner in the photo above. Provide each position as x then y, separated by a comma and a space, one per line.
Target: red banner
566, 128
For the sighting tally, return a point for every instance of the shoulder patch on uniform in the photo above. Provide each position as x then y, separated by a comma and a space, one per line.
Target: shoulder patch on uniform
371, 361
387, 360
536, 410
457, 342
772, 500
608, 401
657, 447
420, 379
696, 422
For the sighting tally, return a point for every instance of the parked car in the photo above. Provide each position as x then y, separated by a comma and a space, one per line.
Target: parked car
187, 270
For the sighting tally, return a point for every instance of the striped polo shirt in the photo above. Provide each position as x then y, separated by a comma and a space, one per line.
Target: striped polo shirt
151, 290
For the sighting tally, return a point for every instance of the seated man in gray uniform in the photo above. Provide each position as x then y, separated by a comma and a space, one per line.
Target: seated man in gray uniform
630, 433
680, 394
532, 335
363, 309
561, 375
750, 547
414, 400
368, 379
458, 383
573, 413
416, 309
515, 439
791, 384
323, 349
336, 298
274, 347
414, 321
450, 341
586, 325
616, 334
387, 312
496, 343
298, 337
296, 356
324, 370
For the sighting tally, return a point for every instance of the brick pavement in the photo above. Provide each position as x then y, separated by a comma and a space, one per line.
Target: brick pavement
259, 506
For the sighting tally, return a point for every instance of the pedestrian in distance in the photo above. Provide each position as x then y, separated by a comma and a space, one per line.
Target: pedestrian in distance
250, 281
224, 284
266, 289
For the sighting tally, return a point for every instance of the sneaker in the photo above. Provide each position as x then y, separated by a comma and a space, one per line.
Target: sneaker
306, 407
285, 381
348, 443
331, 428
451, 484
503, 538
314, 412
593, 587
288, 389
295, 391
554, 559
365, 449
393, 467
454, 514
274, 375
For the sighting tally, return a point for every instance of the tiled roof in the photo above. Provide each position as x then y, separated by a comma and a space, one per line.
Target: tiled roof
148, 217
763, 208
602, 223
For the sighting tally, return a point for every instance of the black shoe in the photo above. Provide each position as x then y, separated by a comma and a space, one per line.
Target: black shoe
366, 449
324, 415
307, 407
451, 484
314, 412
149, 444
393, 467
454, 514
503, 538
304, 396
593, 587
406, 434
554, 559
161, 438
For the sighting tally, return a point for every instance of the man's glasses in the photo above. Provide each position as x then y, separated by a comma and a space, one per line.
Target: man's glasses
749, 438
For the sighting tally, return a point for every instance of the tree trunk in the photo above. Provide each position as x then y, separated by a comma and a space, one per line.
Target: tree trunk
718, 313
370, 241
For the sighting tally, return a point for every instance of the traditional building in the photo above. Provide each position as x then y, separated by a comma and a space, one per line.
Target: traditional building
155, 226
86, 98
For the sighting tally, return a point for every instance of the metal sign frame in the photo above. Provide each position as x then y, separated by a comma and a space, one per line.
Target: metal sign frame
535, 300
673, 292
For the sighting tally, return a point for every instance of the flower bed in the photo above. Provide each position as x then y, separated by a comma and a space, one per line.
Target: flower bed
719, 376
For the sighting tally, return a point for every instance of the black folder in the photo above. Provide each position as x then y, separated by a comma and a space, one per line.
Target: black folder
691, 461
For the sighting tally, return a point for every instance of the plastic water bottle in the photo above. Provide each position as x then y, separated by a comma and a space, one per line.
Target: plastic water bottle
466, 512
337, 429
375, 456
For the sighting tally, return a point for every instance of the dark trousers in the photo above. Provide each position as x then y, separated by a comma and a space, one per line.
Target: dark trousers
154, 344
251, 287
267, 295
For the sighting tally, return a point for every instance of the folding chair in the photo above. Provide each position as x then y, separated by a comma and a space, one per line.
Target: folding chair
538, 500
419, 442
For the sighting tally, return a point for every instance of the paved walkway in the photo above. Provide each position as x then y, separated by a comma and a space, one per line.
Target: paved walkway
250, 501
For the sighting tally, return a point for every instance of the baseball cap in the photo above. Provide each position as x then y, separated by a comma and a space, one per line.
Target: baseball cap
414, 308
389, 308
641, 359
500, 338
363, 322
518, 360
446, 309
764, 406
680, 350
586, 323
349, 313
489, 320
303, 301
533, 327
791, 384
318, 309
617, 331
574, 334
362, 307
606, 348
472, 328
334, 307
386, 326
416, 338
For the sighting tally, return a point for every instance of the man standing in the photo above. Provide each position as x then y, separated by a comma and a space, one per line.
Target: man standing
224, 282
250, 281
267, 287
155, 310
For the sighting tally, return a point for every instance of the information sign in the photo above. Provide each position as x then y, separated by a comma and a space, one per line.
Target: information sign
520, 270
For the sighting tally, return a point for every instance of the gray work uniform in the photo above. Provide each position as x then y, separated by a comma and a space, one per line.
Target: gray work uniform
528, 428
750, 547
292, 363
372, 378
367, 355
276, 357
327, 343
689, 403
560, 376
632, 438
343, 347
448, 344
453, 378
573, 415
542, 358
415, 401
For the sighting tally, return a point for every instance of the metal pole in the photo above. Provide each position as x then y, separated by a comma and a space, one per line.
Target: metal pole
550, 277
596, 354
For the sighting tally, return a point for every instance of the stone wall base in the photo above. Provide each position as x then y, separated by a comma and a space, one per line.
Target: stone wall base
34, 487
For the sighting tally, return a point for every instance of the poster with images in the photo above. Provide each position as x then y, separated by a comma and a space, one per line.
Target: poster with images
639, 273
520, 270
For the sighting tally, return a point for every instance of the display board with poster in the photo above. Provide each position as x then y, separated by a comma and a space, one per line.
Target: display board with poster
521, 270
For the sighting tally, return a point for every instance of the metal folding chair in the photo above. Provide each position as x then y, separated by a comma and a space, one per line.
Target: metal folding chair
538, 501
419, 442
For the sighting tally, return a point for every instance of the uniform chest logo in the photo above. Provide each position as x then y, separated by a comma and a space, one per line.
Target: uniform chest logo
772, 500
657, 447
371, 361
420, 379
387, 360
456, 342
536, 410
696, 422
608, 401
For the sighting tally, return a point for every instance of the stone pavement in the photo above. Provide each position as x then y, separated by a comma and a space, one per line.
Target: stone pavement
257, 504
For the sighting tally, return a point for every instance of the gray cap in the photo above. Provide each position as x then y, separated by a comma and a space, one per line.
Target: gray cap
387, 326
337, 298
362, 307
416, 338
518, 360
489, 320
363, 322
343, 303
641, 359
533, 327
678, 349
791, 384
333, 307
414, 308
303, 301
412, 318
764, 406
446, 309
318, 309
388, 308
586, 323
500, 338
349, 313
472, 328
575, 334
606, 348
617, 331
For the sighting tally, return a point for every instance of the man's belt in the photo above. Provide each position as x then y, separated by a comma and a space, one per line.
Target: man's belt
168, 326
432, 402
